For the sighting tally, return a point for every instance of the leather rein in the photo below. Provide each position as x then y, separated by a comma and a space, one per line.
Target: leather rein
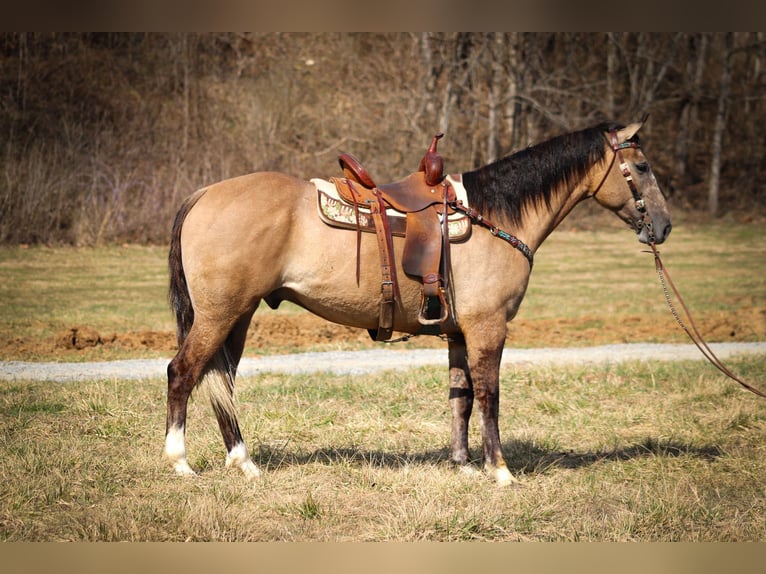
662, 272
479, 219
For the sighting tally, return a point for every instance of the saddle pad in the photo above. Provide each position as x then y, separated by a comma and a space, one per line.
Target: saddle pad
337, 213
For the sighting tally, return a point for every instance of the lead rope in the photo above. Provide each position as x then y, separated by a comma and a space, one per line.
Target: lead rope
693, 334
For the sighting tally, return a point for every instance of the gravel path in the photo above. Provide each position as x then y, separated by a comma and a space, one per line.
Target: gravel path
359, 362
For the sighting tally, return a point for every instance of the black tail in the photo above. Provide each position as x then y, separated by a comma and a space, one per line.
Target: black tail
179, 291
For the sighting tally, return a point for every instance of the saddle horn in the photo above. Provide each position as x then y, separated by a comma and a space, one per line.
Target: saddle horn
433, 163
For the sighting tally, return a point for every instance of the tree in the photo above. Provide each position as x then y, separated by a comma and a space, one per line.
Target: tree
724, 85
688, 114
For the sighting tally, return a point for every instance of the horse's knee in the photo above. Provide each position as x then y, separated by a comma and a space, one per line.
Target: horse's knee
177, 370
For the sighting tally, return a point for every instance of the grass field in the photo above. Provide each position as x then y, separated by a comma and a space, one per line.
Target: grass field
635, 452
630, 452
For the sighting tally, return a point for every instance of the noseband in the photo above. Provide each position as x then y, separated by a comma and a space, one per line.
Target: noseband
645, 221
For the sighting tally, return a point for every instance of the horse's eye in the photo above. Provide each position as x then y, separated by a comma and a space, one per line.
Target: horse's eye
642, 167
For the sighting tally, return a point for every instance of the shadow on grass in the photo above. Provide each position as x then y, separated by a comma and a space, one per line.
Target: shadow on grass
528, 458
523, 457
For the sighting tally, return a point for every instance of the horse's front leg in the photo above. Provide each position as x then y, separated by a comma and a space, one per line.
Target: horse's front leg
485, 349
460, 399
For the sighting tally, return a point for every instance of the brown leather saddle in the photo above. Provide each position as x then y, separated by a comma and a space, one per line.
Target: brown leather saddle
424, 197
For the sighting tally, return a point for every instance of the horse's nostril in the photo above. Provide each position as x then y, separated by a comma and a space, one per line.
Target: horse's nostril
666, 231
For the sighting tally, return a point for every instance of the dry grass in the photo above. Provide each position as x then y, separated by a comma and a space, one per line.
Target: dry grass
635, 452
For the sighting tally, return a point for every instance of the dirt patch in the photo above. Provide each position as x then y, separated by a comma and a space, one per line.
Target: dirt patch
83, 337
76, 341
80, 337
305, 332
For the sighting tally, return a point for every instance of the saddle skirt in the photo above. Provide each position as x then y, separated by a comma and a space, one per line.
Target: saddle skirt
336, 212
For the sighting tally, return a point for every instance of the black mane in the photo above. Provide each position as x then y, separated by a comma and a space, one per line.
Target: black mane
527, 178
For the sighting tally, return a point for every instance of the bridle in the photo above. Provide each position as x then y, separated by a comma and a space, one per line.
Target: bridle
662, 271
617, 147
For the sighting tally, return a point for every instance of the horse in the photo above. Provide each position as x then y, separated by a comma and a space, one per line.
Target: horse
257, 238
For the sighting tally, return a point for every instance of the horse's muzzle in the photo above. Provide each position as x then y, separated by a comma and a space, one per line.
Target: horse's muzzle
660, 230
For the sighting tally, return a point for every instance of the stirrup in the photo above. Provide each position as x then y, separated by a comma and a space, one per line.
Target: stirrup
422, 314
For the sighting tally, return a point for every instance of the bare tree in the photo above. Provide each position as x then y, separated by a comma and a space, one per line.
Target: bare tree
690, 101
516, 73
724, 85
611, 74
495, 92
647, 58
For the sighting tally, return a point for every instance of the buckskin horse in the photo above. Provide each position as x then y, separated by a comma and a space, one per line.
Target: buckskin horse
258, 238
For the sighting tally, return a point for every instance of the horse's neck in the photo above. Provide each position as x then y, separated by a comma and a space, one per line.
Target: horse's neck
539, 223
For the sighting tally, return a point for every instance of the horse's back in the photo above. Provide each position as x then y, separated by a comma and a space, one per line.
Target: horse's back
244, 209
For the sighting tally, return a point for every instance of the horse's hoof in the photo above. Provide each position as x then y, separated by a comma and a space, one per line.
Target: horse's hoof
238, 458
182, 468
504, 478
250, 470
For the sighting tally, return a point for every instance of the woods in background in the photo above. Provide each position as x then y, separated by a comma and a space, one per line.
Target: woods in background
103, 134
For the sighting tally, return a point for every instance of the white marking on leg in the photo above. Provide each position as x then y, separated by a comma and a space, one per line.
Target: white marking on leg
175, 451
239, 457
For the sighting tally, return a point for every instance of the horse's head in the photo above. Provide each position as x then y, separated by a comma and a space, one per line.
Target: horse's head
628, 186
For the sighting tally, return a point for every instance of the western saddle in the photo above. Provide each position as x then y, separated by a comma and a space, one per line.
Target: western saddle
425, 198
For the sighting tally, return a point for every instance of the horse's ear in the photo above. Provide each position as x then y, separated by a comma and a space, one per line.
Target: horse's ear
628, 131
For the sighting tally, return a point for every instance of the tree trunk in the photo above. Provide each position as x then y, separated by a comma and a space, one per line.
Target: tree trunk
429, 76
515, 87
688, 116
719, 127
495, 83
611, 74
449, 96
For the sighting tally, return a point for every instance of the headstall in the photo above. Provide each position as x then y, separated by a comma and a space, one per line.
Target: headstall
626, 173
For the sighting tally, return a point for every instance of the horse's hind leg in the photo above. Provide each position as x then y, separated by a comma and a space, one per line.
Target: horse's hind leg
210, 353
460, 399
236, 452
184, 372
